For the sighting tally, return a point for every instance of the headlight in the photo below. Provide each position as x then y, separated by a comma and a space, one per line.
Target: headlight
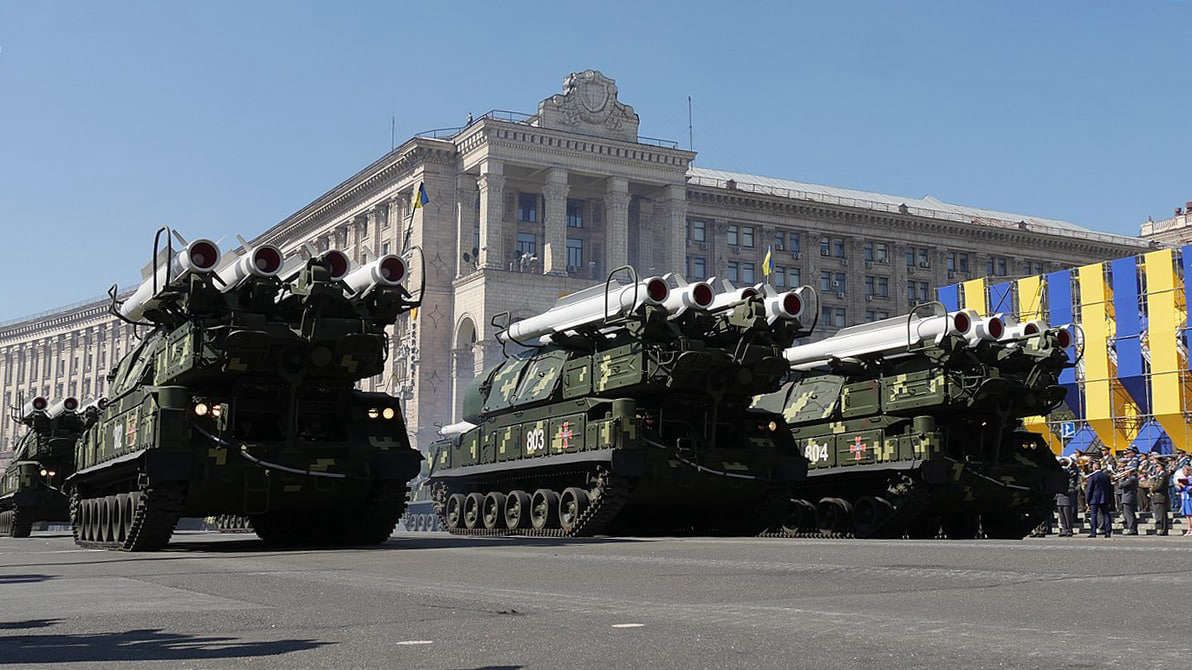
216, 411
44, 472
201, 409
373, 412
388, 413
773, 426
52, 473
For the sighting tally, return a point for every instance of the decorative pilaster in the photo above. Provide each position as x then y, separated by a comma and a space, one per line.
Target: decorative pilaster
616, 223
492, 210
466, 223
674, 228
554, 192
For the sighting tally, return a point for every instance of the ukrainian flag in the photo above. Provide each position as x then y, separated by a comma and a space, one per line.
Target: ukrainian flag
422, 198
768, 263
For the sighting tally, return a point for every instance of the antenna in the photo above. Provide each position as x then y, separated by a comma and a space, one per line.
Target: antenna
392, 132
690, 127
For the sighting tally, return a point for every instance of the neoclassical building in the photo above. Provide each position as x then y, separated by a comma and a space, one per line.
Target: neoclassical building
524, 208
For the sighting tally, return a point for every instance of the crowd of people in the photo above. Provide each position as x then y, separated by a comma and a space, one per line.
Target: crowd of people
1101, 484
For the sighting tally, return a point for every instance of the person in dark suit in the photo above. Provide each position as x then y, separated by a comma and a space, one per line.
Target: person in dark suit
1128, 484
1098, 495
1065, 501
1158, 480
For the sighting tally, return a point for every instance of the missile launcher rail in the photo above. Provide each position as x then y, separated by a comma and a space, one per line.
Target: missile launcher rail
31, 487
239, 401
627, 414
913, 425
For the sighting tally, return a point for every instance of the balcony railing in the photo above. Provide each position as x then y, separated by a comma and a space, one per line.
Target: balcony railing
521, 118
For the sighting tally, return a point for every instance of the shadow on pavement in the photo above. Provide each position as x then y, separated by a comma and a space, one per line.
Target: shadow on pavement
28, 623
138, 645
23, 579
396, 543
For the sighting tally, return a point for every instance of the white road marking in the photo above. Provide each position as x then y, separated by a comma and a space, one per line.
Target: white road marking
410, 643
628, 625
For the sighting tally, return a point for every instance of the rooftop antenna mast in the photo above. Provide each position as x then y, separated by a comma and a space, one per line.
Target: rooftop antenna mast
392, 132
690, 127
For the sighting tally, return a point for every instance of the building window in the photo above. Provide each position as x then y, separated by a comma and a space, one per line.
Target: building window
575, 254
575, 213
527, 244
527, 207
958, 262
779, 276
838, 248
793, 277
840, 283
385, 248
747, 236
698, 230
780, 241
825, 246
877, 286
733, 272
732, 236
833, 316
796, 243
747, 273
997, 266
825, 282
877, 252
698, 267
872, 315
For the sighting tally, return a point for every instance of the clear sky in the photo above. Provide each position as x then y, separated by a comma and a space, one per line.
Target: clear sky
224, 117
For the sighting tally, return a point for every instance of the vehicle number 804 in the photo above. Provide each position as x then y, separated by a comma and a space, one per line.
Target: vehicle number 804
816, 452
535, 440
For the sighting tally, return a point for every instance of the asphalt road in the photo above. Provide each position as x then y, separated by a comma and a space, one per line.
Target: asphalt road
435, 601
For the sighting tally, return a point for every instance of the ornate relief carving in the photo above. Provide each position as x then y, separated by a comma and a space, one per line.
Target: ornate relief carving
589, 105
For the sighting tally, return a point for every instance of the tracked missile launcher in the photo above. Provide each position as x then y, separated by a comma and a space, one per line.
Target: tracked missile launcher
31, 488
239, 399
913, 424
626, 413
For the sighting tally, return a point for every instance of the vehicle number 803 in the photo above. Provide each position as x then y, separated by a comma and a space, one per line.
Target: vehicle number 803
535, 440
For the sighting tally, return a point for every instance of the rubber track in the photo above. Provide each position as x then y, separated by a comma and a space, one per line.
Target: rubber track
153, 520
597, 517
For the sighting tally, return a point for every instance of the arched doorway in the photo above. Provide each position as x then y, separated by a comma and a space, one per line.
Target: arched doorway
463, 363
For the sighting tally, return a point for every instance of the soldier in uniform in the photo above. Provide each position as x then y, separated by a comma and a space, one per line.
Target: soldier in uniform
1065, 501
1158, 479
1128, 484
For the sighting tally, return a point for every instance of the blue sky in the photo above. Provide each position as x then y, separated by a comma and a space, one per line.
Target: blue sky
221, 118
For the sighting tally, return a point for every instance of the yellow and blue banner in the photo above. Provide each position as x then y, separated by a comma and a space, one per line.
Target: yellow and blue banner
768, 262
421, 199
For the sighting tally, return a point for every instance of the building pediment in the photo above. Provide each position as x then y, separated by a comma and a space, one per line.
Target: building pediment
589, 105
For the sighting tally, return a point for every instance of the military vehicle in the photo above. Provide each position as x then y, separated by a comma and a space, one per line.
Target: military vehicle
31, 489
240, 400
912, 424
626, 412
420, 510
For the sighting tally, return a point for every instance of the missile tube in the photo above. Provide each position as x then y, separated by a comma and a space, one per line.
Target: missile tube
68, 404
696, 295
388, 270
588, 311
879, 337
457, 428
37, 404
200, 256
261, 261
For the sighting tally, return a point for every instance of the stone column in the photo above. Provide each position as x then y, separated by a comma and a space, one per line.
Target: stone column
674, 229
465, 225
616, 223
397, 225
491, 184
554, 219
376, 218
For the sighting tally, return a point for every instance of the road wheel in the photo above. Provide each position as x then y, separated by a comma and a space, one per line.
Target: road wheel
93, 520
517, 510
472, 510
544, 509
455, 511
961, 526
572, 504
924, 527
833, 516
802, 516
123, 516
870, 516
494, 510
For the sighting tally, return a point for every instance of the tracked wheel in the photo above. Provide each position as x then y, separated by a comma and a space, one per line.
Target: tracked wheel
801, 517
833, 516
572, 505
961, 526
871, 517
455, 511
493, 511
544, 510
473, 510
517, 510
